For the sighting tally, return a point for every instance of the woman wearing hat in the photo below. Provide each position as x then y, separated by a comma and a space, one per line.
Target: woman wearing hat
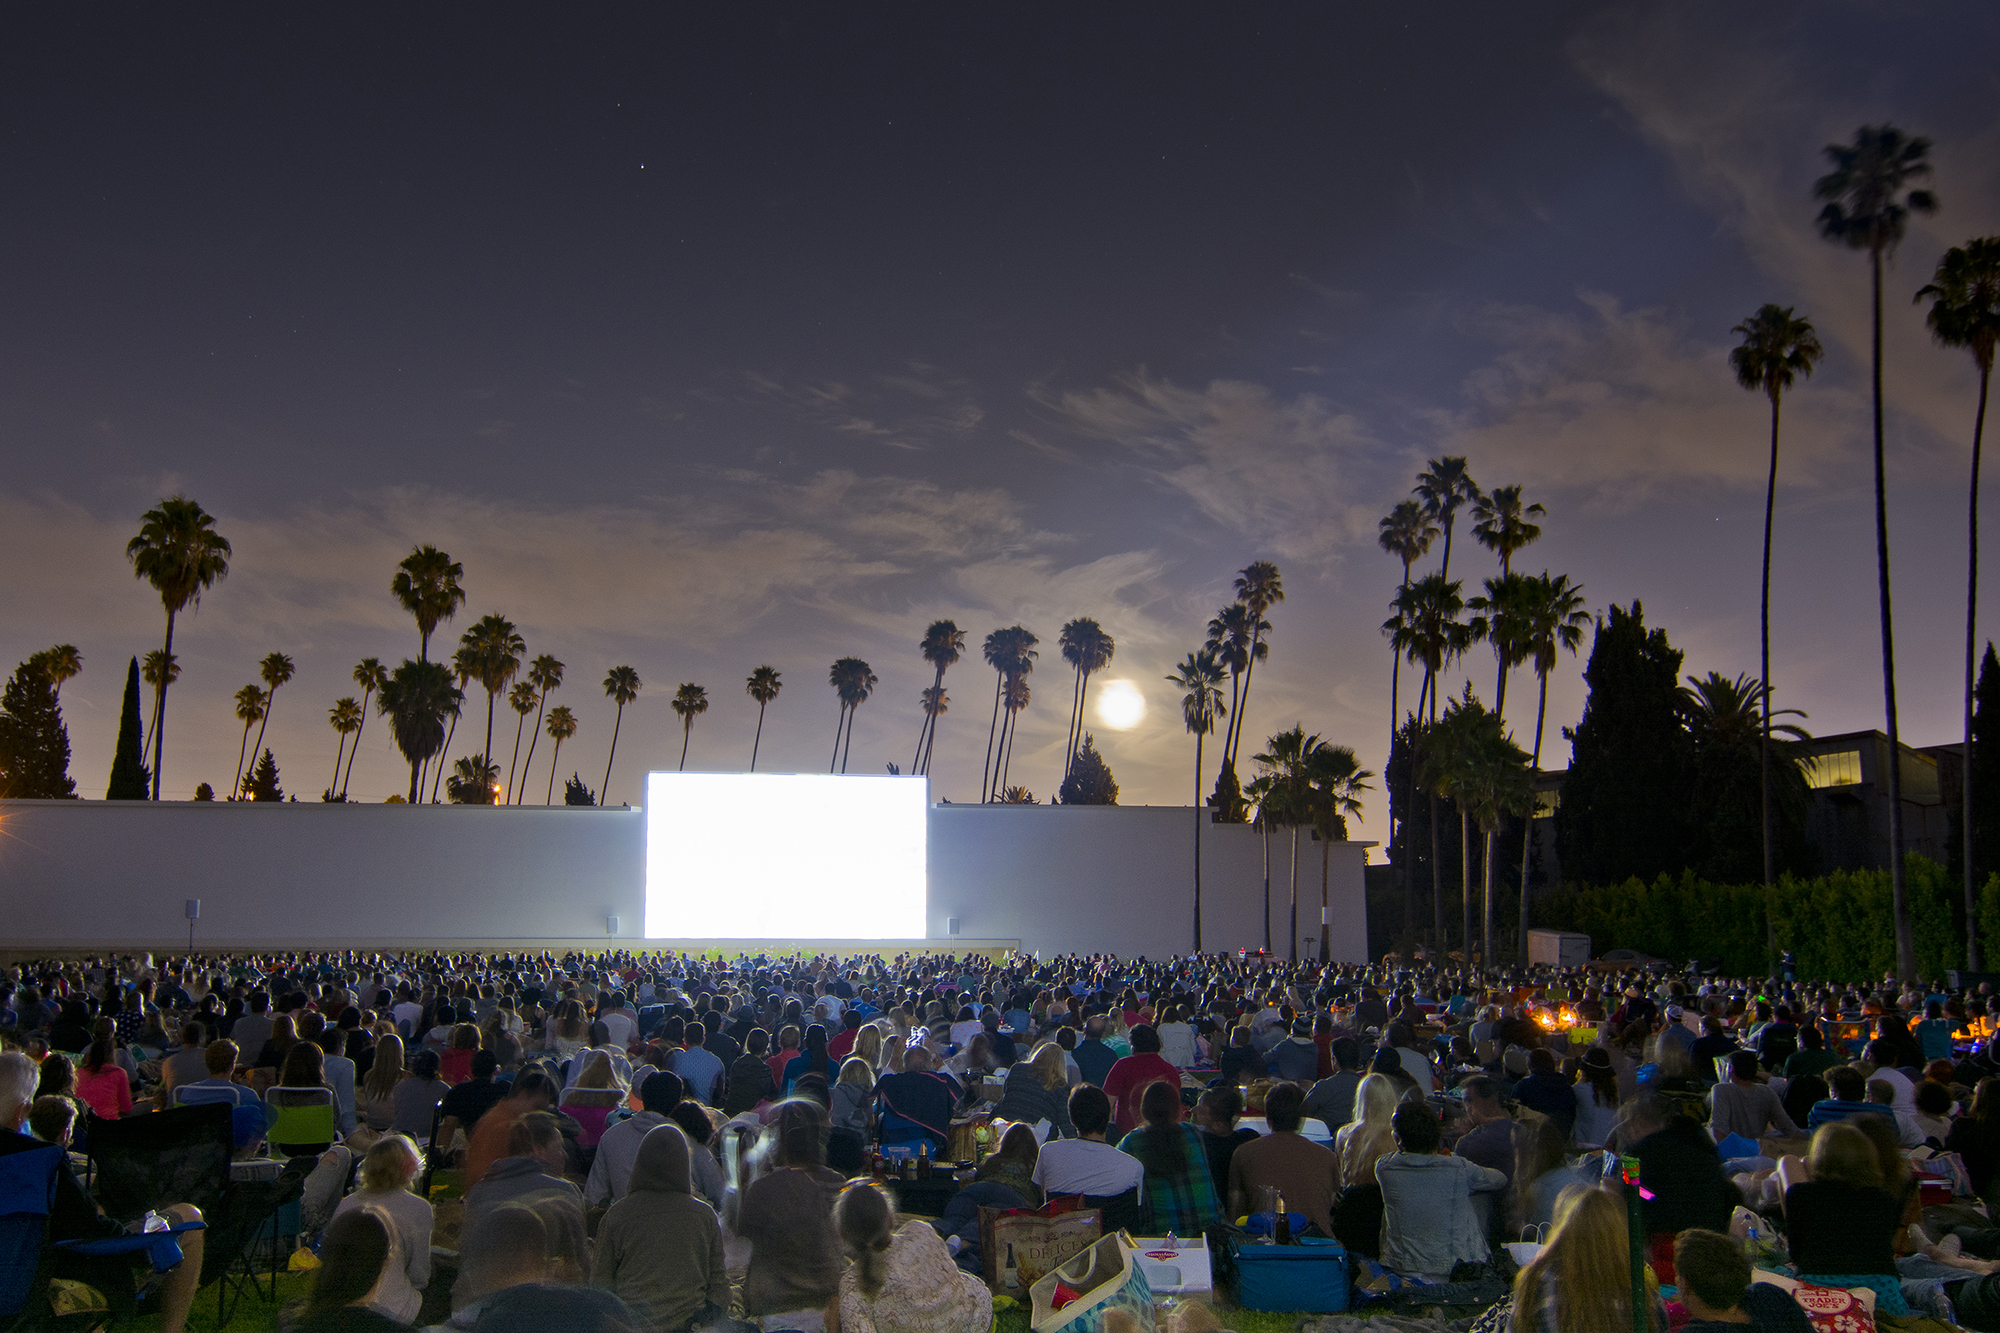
1596, 1099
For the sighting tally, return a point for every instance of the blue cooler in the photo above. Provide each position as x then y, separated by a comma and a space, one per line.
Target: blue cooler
1309, 1277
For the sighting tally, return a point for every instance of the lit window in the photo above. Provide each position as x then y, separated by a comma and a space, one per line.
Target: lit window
1842, 768
1547, 802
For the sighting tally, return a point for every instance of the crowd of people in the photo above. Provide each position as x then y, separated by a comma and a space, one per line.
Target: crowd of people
670, 1142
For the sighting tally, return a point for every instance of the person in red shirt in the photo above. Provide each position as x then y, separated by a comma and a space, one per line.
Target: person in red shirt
842, 1044
1127, 1082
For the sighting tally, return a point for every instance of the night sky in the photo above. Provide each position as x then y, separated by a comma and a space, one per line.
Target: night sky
714, 336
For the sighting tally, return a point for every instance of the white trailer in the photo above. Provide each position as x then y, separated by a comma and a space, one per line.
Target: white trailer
1558, 948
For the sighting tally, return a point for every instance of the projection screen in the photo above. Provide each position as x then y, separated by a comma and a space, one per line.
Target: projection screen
792, 856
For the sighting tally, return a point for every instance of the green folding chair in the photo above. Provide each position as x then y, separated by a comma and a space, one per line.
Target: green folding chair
302, 1121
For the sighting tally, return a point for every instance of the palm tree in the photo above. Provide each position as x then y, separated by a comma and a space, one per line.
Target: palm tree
426, 583
1556, 621
1088, 648
1200, 681
621, 683
473, 781
1965, 312
369, 675
1286, 763
561, 725
1259, 587
180, 553
1406, 533
762, 685
345, 718
1496, 787
854, 682
276, 669
942, 645
1014, 701
158, 670
1263, 792
523, 699
1335, 780
1236, 636
1868, 204
1010, 652
1777, 347
496, 650
415, 699
1449, 763
1443, 487
465, 666
62, 662
545, 673
1501, 523
935, 703
1503, 618
1426, 628
249, 710
690, 702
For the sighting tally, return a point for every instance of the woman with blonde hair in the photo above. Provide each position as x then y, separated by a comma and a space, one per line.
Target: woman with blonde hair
853, 1094
903, 1279
1841, 1220
387, 1172
1037, 1088
1581, 1282
1363, 1141
891, 1059
378, 1090
868, 1045
568, 1031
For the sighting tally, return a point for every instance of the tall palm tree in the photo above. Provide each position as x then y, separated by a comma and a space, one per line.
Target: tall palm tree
1444, 487
276, 669
840, 676
249, 710
464, 666
1868, 204
1500, 523
426, 583
690, 702
1010, 652
179, 552
1259, 587
523, 699
496, 650
1014, 701
1449, 761
545, 673
1965, 312
1287, 762
856, 682
621, 684
1335, 780
935, 703
1427, 629
1264, 792
1503, 611
1777, 348
1406, 533
1200, 681
369, 675
1556, 622
158, 670
561, 725
1495, 787
762, 685
416, 699
345, 718
942, 645
62, 662
1087, 647
1237, 638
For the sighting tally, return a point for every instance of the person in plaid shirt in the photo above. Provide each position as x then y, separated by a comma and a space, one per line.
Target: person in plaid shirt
1179, 1189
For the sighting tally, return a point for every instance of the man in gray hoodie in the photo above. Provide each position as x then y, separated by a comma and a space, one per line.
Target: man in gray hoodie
659, 1249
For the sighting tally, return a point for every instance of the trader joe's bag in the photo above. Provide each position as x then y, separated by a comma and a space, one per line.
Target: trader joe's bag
1829, 1309
1018, 1245
1076, 1297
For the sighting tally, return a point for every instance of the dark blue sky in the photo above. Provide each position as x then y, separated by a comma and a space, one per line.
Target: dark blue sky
714, 337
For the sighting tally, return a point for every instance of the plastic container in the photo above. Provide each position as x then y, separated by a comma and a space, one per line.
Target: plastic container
1310, 1277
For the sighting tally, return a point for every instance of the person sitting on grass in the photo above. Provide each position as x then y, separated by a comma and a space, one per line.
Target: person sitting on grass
1179, 1193
386, 1175
355, 1255
1429, 1225
1715, 1287
1581, 1282
659, 1248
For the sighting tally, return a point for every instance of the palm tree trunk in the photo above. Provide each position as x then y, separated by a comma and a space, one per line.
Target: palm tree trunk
160, 713
1500, 692
687, 734
242, 748
1325, 924
339, 753
1243, 701
1486, 874
528, 764
513, 758
848, 748
1397, 852
1465, 876
840, 723
1075, 712
437, 778
604, 793
1528, 831
1199, 811
1007, 768
758, 739
1971, 631
1437, 883
487, 753
1764, 669
270, 701
1267, 879
1235, 716
992, 792
1906, 944
1292, 948
555, 762
366, 695
999, 679
416, 780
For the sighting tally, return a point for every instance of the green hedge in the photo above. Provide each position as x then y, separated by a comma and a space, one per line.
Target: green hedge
1839, 925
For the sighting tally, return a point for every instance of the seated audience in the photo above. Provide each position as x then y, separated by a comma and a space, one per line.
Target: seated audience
902, 1278
1715, 1287
1746, 1105
787, 1216
1429, 1225
1179, 1191
1581, 1282
1305, 1174
1087, 1164
659, 1249
387, 1172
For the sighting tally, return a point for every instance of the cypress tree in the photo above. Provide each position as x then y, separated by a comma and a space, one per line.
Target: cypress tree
129, 779
1089, 781
263, 784
1631, 773
34, 743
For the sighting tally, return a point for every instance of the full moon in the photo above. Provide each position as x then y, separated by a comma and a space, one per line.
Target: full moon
1120, 706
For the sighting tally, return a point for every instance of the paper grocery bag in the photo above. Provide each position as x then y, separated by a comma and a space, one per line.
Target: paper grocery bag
1018, 1245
